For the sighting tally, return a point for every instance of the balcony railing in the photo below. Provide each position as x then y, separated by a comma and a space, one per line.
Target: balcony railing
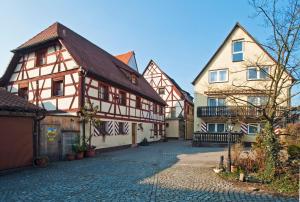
207, 137
248, 111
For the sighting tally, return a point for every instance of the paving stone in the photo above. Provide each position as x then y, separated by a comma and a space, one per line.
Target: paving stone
172, 171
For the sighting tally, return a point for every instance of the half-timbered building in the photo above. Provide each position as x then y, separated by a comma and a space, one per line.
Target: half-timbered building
180, 108
62, 72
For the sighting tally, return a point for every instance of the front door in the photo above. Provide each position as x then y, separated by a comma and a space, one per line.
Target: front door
50, 141
133, 133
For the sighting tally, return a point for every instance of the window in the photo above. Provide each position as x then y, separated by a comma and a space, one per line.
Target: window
256, 74
122, 98
215, 102
23, 92
237, 51
173, 112
216, 127
133, 79
155, 129
138, 102
122, 128
161, 91
218, 76
161, 129
254, 128
41, 57
161, 110
102, 127
58, 87
103, 92
257, 100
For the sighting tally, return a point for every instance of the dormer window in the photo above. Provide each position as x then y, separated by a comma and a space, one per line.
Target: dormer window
41, 57
133, 79
237, 51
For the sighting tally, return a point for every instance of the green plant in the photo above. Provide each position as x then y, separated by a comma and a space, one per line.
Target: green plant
294, 152
286, 183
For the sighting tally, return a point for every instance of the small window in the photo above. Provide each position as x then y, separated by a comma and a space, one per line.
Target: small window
160, 129
155, 129
216, 102
41, 57
102, 127
237, 51
122, 98
58, 87
133, 79
103, 93
253, 128
138, 103
154, 108
218, 76
256, 74
173, 112
161, 91
122, 128
23, 92
257, 100
216, 127
161, 110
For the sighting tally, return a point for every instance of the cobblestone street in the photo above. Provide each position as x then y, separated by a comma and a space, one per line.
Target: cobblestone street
172, 171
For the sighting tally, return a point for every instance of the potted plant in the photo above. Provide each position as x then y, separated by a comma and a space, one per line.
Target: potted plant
88, 115
41, 161
90, 152
79, 151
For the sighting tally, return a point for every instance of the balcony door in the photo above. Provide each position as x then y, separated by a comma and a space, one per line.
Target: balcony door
214, 103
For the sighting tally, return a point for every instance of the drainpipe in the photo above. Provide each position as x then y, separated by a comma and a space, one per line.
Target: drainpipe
37, 133
82, 75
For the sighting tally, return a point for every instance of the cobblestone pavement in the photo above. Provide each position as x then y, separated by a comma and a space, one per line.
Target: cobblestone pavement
172, 171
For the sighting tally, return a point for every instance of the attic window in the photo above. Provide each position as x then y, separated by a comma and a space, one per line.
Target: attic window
237, 51
41, 57
133, 79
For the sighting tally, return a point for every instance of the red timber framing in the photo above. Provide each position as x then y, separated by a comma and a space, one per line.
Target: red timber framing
113, 109
172, 95
39, 78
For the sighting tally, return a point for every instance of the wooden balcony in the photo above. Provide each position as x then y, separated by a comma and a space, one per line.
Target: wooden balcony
207, 138
233, 111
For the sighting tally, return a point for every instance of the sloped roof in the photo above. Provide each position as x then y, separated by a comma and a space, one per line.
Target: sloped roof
10, 102
125, 57
96, 61
186, 94
237, 25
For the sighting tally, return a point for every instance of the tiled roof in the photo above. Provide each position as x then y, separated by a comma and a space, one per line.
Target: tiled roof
10, 102
96, 61
125, 57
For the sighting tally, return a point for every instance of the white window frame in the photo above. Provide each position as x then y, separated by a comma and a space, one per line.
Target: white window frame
252, 124
218, 76
237, 52
217, 101
216, 127
258, 73
259, 99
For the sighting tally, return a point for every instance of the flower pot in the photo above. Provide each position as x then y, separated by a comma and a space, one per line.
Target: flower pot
90, 153
41, 162
70, 157
79, 155
233, 169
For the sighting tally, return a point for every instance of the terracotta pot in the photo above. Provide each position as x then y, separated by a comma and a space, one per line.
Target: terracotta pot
90, 153
70, 157
79, 155
41, 162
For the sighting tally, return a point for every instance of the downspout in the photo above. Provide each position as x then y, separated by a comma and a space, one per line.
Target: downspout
36, 134
82, 75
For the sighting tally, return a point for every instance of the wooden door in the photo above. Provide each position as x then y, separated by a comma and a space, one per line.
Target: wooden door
133, 132
50, 141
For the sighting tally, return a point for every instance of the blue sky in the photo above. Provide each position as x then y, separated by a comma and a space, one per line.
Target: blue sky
179, 35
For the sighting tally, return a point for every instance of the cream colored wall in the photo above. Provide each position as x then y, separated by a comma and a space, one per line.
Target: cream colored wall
125, 139
173, 130
237, 71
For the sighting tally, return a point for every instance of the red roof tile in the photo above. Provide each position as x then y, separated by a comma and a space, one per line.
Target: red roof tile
10, 102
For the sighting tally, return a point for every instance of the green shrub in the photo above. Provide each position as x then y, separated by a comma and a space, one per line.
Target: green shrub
286, 183
294, 152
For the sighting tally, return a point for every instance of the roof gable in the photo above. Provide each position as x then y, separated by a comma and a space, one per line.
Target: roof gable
129, 59
183, 93
236, 27
94, 60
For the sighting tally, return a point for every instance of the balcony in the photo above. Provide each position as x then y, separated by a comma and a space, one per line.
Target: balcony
233, 111
207, 138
